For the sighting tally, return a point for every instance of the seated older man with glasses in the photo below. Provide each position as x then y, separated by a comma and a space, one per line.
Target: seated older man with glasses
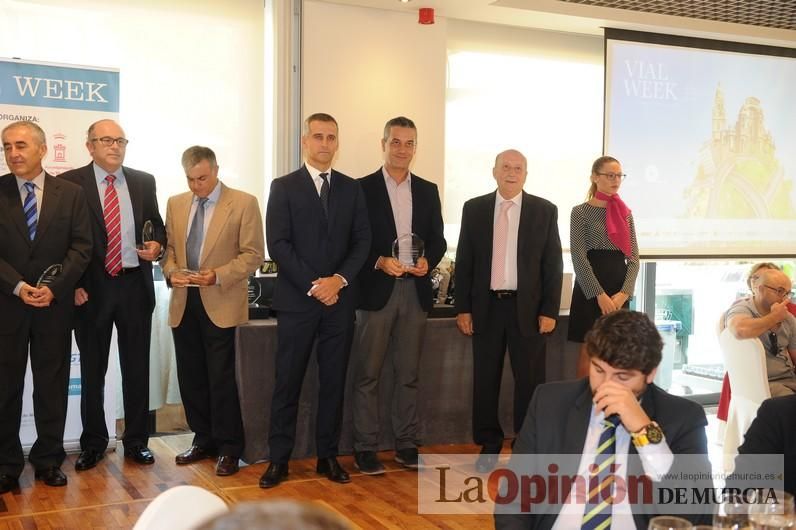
765, 315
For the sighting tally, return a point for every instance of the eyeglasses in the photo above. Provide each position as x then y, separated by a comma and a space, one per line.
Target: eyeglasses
779, 290
613, 176
107, 141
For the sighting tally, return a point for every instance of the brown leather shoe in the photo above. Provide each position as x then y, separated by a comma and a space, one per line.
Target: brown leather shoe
227, 465
194, 454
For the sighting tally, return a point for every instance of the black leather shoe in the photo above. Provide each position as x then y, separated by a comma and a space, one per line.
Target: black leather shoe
275, 474
368, 463
8, 483
333, 470
140, 454
52, 476
194, 454
407, 457
88, 459
227, 465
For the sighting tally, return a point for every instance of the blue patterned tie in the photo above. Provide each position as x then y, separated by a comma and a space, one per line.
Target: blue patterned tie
196, 235
597, 514
29, 208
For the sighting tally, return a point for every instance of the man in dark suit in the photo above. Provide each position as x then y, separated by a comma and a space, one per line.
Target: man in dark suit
116, 289
43, 222
616, 418
508, 291
773, 432
317, 232
394, 297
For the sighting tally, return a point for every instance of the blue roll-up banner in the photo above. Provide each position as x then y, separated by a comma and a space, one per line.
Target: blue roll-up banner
63, 100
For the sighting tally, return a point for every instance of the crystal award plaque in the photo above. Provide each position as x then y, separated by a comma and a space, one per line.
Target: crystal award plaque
407, 249
147, 234
49, 274
255, 291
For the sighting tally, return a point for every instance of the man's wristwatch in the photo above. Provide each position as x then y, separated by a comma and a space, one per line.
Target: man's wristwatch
649, 434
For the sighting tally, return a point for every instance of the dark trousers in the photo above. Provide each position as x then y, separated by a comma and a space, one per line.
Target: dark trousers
122, 302
296, 333
527, 356
47, 335
206, 372
393, 334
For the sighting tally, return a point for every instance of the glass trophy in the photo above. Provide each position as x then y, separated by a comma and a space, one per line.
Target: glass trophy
189, 273
147, 234
49, 274
407, 249
255, 291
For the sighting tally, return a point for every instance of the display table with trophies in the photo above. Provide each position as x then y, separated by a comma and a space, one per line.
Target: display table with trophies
444, 393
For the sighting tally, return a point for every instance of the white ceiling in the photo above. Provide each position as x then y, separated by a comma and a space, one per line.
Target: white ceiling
567, 17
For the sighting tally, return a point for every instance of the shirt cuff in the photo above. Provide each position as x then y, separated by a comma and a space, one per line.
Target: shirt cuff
657, 459
345, 282
18, 287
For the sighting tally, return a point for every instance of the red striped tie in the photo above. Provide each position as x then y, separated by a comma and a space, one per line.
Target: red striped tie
113, 228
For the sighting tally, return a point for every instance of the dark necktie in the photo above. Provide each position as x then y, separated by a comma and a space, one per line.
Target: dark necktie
325, 194
29, 208
597, 513
194, 244
113, 228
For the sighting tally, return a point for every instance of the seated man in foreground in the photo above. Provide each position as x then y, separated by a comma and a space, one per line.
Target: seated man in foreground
765, 316
618, 420
772, 433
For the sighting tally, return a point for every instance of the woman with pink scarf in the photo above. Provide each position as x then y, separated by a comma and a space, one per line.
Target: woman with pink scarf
604, 252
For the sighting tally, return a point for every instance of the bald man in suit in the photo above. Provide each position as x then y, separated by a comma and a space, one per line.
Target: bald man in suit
120, 295
508, 292
216, 232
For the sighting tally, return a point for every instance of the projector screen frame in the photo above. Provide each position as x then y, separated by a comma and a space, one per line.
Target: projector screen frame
696, 43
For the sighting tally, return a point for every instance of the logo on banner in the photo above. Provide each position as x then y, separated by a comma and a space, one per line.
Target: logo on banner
59, 149
60, 89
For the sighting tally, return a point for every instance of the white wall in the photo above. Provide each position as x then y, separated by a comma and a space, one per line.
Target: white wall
191, 73
364, 66
537, 91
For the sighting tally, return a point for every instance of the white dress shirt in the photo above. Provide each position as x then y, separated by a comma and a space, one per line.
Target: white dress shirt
656, 460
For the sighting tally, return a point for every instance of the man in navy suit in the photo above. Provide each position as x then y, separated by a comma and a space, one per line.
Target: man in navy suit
650, 433
43, 222
318, 233
116, 289
508, 292
395, 297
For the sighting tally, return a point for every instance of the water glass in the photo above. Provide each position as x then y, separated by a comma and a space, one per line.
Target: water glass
669, 522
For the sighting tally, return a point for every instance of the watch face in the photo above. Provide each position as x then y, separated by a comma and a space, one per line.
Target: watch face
654, 434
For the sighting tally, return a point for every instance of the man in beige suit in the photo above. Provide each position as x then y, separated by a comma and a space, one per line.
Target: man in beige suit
215, 241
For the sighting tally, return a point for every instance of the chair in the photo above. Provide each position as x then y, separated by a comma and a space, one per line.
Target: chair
724, 398
745, 360
180, 508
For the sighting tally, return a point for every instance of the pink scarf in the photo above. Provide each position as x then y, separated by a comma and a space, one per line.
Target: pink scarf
616, 224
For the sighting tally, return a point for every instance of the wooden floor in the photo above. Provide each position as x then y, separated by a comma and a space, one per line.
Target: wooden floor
114, 494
